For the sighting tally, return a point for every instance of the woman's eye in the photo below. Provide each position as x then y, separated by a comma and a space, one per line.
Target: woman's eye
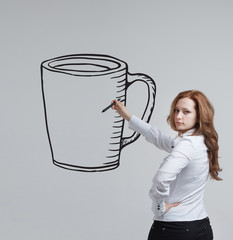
186, 112
176, 110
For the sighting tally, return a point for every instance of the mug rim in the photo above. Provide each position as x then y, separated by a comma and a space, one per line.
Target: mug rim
112, 64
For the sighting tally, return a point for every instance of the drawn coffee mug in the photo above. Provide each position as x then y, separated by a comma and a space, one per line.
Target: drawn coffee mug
75, 90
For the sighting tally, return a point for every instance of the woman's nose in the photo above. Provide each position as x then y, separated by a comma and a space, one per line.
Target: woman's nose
179, 115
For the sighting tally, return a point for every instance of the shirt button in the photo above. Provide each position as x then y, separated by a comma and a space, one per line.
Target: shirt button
163, 229
187, 230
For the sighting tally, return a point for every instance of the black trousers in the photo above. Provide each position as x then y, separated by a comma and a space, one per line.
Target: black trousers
190, 230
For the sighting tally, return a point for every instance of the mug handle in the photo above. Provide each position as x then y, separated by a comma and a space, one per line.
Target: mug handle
132, 78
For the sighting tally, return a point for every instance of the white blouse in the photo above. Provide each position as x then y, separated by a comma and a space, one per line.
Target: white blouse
181, 177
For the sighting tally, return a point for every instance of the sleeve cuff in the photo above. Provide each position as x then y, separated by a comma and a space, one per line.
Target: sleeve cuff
161, 208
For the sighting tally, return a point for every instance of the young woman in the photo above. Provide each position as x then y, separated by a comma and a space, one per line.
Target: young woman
179, 184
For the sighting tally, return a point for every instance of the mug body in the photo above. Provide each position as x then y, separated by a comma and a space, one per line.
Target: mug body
75, 90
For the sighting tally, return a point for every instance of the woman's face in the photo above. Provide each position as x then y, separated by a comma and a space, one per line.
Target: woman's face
185, 114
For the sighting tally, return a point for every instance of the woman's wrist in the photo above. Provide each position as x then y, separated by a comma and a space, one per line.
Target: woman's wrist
128, 116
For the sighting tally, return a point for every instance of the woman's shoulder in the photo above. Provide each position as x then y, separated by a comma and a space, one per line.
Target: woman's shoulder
197, 141
194, 139
189, 145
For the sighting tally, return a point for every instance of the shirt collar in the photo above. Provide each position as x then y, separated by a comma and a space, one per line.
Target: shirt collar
187, 133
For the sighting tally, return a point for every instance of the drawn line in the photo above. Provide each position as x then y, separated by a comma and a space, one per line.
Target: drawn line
115, 137
84, 169
113, 156
123, 75
121, 90
117, 161
118, 121
121, 97
124, 80
123, 85
113, 150
117, 126
105, 68
115, 143
116, 132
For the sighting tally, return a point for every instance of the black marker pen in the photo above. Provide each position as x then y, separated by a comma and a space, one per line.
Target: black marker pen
109, 106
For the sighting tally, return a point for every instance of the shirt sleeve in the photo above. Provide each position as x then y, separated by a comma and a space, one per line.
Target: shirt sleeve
152, 134
172, 165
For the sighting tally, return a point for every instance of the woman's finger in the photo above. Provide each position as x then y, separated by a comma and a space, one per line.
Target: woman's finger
169, 206
113, 106
175, 204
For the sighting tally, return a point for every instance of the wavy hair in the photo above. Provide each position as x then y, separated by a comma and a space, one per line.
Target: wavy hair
204, 126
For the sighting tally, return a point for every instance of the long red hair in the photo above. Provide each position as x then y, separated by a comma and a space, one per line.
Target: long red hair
204, 126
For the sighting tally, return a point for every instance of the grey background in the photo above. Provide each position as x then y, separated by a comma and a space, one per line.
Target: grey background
181, 44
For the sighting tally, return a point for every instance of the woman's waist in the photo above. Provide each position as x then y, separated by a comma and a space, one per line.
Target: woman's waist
186, 224
185, 211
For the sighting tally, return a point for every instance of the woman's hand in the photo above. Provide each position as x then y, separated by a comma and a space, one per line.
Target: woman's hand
169, 206
122, 110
